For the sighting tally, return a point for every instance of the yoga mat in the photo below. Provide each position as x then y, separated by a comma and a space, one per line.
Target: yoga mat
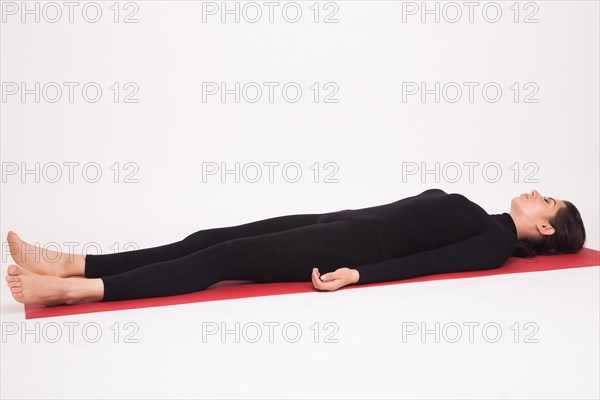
226, 290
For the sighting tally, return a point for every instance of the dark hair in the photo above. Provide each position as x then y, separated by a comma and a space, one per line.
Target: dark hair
568, 236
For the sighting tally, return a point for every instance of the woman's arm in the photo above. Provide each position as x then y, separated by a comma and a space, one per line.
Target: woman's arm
489, 249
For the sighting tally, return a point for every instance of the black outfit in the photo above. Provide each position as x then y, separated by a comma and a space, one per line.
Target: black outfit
430, 233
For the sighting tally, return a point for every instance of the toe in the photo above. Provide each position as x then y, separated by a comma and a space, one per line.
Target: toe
16, 290
19, 297
14, 270
14, 284
12, 237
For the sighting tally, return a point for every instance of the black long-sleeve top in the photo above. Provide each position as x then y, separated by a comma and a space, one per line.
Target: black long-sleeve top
431, 233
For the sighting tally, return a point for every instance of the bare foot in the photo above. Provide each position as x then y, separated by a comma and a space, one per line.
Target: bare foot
30, 288
43, 261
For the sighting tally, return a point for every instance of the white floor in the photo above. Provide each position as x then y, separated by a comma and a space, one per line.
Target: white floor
350, 344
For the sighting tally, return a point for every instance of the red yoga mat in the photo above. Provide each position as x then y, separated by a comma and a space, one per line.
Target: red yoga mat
240, 289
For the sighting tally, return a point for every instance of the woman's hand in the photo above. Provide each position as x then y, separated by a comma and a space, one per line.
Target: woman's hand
334, 280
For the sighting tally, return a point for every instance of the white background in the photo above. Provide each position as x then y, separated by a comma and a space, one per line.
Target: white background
369, 136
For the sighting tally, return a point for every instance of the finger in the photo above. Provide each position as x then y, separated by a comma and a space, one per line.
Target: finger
315, 280
330, 276
316, 272
320, 284
332, 284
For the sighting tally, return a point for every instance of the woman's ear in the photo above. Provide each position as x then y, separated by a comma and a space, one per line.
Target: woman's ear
545, 229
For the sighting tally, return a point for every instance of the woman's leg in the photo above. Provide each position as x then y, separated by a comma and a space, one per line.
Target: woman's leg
109, 264
283, 256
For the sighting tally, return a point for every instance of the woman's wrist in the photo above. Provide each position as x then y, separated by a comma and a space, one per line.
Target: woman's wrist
355, 275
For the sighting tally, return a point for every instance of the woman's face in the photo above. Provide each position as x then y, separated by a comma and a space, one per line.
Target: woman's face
535, 210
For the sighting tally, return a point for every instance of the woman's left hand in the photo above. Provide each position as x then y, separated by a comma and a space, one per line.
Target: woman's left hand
332, 280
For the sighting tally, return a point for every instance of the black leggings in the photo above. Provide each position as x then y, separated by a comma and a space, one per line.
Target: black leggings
279, 249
